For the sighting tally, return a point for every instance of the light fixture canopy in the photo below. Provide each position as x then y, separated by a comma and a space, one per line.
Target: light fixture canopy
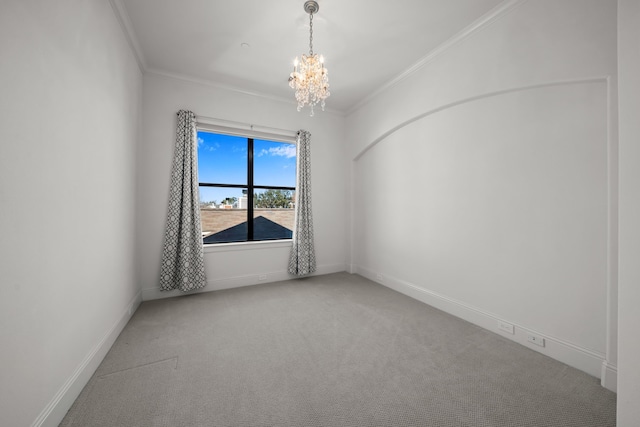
310, 78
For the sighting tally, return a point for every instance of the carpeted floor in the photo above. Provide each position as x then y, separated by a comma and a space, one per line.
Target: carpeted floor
334, 350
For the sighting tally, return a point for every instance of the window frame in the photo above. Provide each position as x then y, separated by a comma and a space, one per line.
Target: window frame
251, 133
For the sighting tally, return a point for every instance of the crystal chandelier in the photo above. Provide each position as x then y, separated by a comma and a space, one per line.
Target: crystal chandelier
309, 77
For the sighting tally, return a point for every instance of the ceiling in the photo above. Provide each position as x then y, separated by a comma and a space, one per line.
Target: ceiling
365, 44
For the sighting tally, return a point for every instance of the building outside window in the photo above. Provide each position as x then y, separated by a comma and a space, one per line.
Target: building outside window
247, 188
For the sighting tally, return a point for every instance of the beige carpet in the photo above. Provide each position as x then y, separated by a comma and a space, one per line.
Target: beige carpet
334, 350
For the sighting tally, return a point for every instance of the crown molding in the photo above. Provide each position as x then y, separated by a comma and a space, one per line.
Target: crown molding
231, 88
206, 82
127, 28
480, 23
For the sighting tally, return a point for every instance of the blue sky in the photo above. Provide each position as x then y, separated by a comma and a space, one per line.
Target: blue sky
223, 159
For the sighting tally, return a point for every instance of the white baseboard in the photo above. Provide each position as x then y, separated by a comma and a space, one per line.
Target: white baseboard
239, 281
609, 379
580, 358
54, 412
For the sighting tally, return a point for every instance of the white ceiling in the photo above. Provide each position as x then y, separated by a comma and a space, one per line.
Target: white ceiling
366, 44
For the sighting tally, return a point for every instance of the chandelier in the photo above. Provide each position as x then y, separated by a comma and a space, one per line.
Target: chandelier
309, 77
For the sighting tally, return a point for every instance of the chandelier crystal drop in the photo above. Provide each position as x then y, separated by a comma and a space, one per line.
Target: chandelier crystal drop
310, 78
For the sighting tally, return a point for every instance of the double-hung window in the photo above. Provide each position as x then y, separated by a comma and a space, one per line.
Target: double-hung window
247, 188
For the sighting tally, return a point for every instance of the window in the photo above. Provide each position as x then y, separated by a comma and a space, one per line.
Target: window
247, 188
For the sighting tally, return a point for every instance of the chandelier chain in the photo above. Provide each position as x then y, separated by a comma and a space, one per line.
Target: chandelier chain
311, 34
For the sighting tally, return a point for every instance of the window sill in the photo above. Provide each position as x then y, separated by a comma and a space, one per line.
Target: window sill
247, 246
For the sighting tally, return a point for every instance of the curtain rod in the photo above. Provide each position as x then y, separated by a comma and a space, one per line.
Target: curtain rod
242, 125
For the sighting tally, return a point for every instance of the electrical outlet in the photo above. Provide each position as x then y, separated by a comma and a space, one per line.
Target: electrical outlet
262, 277
379, 277
535, 339
505, 327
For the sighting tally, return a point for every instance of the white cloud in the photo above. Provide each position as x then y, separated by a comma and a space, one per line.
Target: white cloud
241, 149
200, 141
285, 150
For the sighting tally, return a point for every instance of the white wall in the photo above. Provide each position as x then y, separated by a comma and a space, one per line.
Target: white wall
236, 265
69, 110
629, 102
485, 182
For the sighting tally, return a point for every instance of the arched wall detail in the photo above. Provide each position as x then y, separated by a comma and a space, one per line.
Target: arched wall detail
603, 79
395, 264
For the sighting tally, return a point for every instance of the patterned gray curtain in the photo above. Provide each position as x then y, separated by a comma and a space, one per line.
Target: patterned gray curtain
302, 260
182, 254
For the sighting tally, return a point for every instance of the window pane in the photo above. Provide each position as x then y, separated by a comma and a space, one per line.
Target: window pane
273, 214
222, 159
274, 163
224, 208
223, 213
